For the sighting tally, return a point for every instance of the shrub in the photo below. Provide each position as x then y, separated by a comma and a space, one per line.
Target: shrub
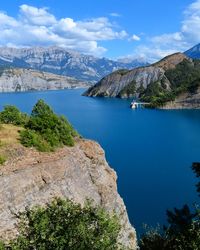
12, 115
63, 224
45, 130
29, 138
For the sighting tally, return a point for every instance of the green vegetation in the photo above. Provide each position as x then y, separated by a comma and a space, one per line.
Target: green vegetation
47, 131
185, 77
43, 130
12, 115
2, 159
182, 232
30, 138
129, 90
62, 224
156, 94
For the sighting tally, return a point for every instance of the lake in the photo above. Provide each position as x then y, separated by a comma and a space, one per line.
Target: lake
151, 150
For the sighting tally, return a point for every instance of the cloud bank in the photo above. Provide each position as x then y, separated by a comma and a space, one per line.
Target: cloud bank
38, 27
186, 37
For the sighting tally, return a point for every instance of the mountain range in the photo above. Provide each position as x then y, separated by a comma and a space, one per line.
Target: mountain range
173, 82
63, 62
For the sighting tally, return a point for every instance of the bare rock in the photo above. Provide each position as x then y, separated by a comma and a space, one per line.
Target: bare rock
77, 173
18, 79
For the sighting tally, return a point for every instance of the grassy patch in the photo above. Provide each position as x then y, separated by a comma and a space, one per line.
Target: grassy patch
9, 134
9, 137
2, 159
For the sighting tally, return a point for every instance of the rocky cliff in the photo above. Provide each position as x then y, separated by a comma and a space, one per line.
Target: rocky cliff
77, 173
171, 83
18, 79
120, 82
113, 84
64, 62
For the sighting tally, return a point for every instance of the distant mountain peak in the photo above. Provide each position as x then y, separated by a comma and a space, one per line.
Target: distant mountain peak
62, 61
194, 52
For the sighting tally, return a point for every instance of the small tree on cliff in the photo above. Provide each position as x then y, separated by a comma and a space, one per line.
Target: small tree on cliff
45, 130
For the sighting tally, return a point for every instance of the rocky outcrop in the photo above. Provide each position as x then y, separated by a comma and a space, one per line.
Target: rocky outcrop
18, 79
185, 101
64, 62
114, 84
77, 173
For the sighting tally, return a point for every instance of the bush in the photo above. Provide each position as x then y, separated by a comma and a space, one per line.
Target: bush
45, 130
29, 138
12, 115
66, 225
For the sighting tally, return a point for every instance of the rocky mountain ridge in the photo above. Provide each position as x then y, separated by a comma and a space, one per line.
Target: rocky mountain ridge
64, 62
131, 83
173, 83
19, 79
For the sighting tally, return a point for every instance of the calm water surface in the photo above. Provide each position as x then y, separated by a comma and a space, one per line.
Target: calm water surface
151, 150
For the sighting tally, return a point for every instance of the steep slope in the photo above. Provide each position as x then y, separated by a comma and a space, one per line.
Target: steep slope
78, 173
18, 79
63, 62
194, 52
185, 100
124, 83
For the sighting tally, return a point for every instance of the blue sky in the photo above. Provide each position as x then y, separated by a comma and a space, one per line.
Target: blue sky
110, 28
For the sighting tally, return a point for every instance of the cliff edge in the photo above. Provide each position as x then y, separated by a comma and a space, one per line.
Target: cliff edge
30, 177
19, 79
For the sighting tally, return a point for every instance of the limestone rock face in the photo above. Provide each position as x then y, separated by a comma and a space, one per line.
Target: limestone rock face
18, 79
114, 83
77, 173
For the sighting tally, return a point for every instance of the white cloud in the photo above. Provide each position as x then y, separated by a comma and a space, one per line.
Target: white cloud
35, 16
114, 14
185, 38
38, 27
152, 54
134, 38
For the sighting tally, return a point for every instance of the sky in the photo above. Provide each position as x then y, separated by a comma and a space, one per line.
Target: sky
149, 29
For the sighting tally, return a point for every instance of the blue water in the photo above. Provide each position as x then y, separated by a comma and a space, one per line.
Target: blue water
151, 150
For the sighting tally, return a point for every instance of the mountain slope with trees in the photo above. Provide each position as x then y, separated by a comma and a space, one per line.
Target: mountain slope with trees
158, 84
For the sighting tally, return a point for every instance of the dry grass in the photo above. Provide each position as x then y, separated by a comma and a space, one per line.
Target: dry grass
9, 138
9, 134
